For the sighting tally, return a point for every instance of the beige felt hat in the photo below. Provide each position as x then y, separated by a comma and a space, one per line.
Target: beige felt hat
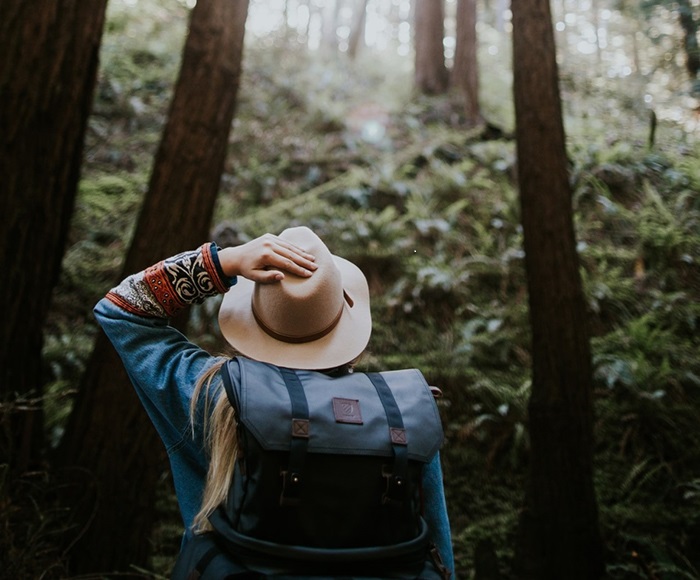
320, 322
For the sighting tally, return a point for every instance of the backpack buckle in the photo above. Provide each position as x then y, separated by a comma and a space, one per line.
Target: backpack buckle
435, 556
395, 489
291, 486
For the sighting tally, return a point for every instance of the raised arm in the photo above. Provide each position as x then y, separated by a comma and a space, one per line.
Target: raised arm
162, 364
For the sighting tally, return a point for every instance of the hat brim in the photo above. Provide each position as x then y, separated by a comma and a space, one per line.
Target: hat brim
343, 344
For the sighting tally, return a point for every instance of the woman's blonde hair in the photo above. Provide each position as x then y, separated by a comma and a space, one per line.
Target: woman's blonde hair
219, 431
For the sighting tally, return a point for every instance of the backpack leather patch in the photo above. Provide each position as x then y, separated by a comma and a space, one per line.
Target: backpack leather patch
347, 411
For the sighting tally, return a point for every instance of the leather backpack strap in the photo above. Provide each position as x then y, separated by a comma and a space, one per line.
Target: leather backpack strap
228, 383
292, 477
396, 479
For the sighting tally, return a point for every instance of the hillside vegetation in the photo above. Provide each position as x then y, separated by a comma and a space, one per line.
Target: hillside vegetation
430, 212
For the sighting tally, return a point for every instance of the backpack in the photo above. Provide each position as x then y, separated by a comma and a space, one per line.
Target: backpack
327, 480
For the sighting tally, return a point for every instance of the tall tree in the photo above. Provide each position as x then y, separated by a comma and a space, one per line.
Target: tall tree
109, 435
357, 30
48, 67
690, 42
595, 17
558, 535
329, 25
431, 76
687, 18
465, 72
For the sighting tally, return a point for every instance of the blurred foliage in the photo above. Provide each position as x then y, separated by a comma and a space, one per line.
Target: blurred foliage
430, 213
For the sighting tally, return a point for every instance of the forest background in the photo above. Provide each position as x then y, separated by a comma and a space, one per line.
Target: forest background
418, 184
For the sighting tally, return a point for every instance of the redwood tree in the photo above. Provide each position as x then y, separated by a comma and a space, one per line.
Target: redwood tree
431, 76
558, 536
48, 66
465, 72
357, 31
109, 435
690, 42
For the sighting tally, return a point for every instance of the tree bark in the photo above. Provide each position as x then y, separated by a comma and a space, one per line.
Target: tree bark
595, 17
48, 67
465, 72
329, 26
690, 39
558, 531
358, 28
109, 436
431, 76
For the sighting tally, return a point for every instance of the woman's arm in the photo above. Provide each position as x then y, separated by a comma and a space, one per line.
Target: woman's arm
162, 364
436, 511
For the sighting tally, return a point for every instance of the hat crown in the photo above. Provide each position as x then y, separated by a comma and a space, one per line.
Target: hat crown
301, 309
316, 322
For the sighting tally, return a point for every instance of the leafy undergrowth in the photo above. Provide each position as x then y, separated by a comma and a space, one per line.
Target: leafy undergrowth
429, 211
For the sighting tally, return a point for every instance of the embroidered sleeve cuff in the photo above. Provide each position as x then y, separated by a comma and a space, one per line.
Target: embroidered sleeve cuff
229, 280
167, 287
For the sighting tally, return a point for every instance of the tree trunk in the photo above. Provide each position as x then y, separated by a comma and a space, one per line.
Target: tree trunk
595, 17
109, 435
690, 39
307, 24
329, 26
465, 72
48, 67
558, 535
358, 28
431, 76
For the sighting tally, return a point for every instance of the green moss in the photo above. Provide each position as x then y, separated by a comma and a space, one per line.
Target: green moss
431, 215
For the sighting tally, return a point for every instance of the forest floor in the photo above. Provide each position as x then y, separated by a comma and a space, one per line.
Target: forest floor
429, 210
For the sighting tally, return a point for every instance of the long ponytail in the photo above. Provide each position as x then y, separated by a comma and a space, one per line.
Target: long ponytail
219, 428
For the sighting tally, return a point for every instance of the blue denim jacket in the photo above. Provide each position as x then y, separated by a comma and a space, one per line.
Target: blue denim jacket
164, 367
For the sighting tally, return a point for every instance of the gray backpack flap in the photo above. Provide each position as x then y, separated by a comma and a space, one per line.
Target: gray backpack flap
330, 464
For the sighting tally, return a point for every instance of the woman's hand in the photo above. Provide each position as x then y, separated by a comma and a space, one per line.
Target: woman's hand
265, 259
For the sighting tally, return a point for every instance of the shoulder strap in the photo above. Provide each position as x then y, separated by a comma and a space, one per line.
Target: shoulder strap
259, 392
228, 383
292, 477
396, 479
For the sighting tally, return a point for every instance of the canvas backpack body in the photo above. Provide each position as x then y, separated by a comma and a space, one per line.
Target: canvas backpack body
328, 473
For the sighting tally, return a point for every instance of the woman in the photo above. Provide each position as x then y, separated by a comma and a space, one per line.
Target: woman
288, 302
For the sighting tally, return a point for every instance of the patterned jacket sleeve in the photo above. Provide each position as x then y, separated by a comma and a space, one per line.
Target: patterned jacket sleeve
436, 512
170, 285
162, 364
